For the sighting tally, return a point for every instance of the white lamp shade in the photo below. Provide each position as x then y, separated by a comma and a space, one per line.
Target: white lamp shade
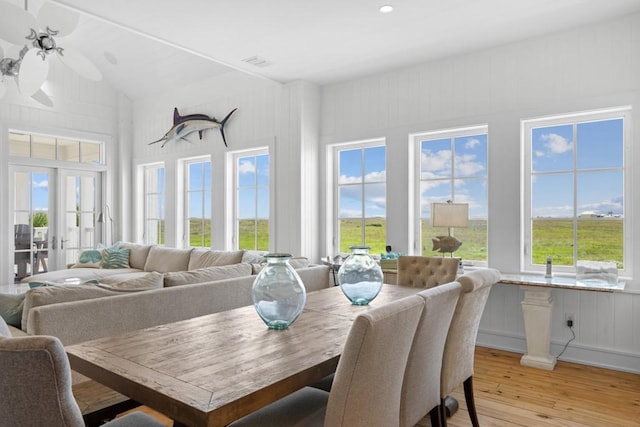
449, 214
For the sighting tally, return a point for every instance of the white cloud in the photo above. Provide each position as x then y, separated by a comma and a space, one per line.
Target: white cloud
539, 153
41, 184
377, 176
556, 144
246, 167
434, 162
467, 166
471, 143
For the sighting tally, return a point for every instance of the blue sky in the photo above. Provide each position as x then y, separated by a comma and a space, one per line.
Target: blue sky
599, 145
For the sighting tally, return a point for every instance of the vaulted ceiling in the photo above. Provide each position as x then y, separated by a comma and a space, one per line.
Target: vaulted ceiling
144, 46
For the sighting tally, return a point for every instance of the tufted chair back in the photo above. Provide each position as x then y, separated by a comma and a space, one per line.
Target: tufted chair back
426, 272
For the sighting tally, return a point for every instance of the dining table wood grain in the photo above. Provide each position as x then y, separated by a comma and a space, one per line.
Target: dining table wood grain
214, 369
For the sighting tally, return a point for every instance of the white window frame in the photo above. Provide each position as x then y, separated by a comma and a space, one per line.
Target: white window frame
415, 210
527, 125
233, 199
145, 194
333, 186
184, 212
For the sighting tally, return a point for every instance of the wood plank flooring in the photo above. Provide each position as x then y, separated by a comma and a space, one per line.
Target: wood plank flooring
572, 395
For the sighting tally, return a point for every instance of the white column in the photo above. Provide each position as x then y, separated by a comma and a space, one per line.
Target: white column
536, 310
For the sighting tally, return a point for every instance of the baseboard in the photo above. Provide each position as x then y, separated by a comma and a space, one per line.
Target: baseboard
577, 353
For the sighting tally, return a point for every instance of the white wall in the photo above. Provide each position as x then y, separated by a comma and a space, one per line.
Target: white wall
80, 107
284, 118
587, 68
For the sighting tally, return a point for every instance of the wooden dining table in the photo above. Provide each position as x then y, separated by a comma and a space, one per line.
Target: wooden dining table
214, 369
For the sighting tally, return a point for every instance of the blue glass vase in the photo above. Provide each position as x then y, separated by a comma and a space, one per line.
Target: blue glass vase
278, 292
360, 276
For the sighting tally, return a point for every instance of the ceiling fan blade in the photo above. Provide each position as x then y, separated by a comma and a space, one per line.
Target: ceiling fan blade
79, 63
3, 86
1, 53
59, 19
16, 23
33, 72
41, 97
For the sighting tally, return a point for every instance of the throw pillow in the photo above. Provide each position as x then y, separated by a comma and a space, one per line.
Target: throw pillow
133, 282
137, 254
207, 274
89, 259
115, 257
11, 308
163, 259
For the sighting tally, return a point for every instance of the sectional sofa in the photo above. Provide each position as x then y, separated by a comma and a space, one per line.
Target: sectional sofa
161, 285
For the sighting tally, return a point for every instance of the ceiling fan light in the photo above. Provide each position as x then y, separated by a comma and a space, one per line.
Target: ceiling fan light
386, 8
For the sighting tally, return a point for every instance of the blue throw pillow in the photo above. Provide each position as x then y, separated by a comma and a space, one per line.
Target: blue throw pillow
11, 308
115, 257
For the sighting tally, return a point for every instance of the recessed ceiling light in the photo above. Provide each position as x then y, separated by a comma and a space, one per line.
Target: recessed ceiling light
387, 8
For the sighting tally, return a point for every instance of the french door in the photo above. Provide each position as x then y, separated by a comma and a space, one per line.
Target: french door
55, 214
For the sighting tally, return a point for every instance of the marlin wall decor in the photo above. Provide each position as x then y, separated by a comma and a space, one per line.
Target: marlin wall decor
186, 125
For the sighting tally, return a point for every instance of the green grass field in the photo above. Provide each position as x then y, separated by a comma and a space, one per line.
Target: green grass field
599, 239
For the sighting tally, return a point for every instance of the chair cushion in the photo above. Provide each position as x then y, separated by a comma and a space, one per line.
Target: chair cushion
208, 274
164, 260
209, 258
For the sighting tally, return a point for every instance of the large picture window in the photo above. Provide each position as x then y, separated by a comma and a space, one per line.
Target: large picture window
154, 204
360, 196
452, 167
251, 217
575, 206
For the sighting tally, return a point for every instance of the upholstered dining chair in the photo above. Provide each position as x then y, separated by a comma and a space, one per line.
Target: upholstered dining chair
426, 272
459, 349
421, 385
36, 385
368, 380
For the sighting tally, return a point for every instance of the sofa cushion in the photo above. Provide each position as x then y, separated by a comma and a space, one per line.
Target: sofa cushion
209, 258
115, 257
11, 308
91, 258
164, 260
253, 256
133, 282
295, 262
56, 294
137, 254
206, 274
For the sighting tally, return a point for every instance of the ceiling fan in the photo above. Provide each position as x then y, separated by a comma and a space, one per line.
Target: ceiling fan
40, 40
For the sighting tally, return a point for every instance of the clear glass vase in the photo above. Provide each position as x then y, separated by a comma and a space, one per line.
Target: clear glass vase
360, 276
278, 292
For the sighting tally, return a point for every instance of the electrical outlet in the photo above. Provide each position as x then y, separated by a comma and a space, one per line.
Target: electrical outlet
569, 317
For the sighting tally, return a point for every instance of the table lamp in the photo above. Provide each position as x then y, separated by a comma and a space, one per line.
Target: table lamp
448, 215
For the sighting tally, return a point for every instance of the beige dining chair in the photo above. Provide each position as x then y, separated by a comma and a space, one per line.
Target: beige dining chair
36, 385
421, 385
426, 272
368, 381
459, 349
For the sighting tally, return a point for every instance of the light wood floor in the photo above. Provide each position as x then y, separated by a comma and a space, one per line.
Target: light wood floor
571, 395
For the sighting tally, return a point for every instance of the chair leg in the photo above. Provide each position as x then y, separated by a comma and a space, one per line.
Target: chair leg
443, 414
436, 419
471, 404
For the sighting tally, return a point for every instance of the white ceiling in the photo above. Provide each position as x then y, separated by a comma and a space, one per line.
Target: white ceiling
167, 43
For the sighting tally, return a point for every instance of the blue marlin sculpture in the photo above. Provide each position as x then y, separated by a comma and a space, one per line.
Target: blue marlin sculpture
186, 125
